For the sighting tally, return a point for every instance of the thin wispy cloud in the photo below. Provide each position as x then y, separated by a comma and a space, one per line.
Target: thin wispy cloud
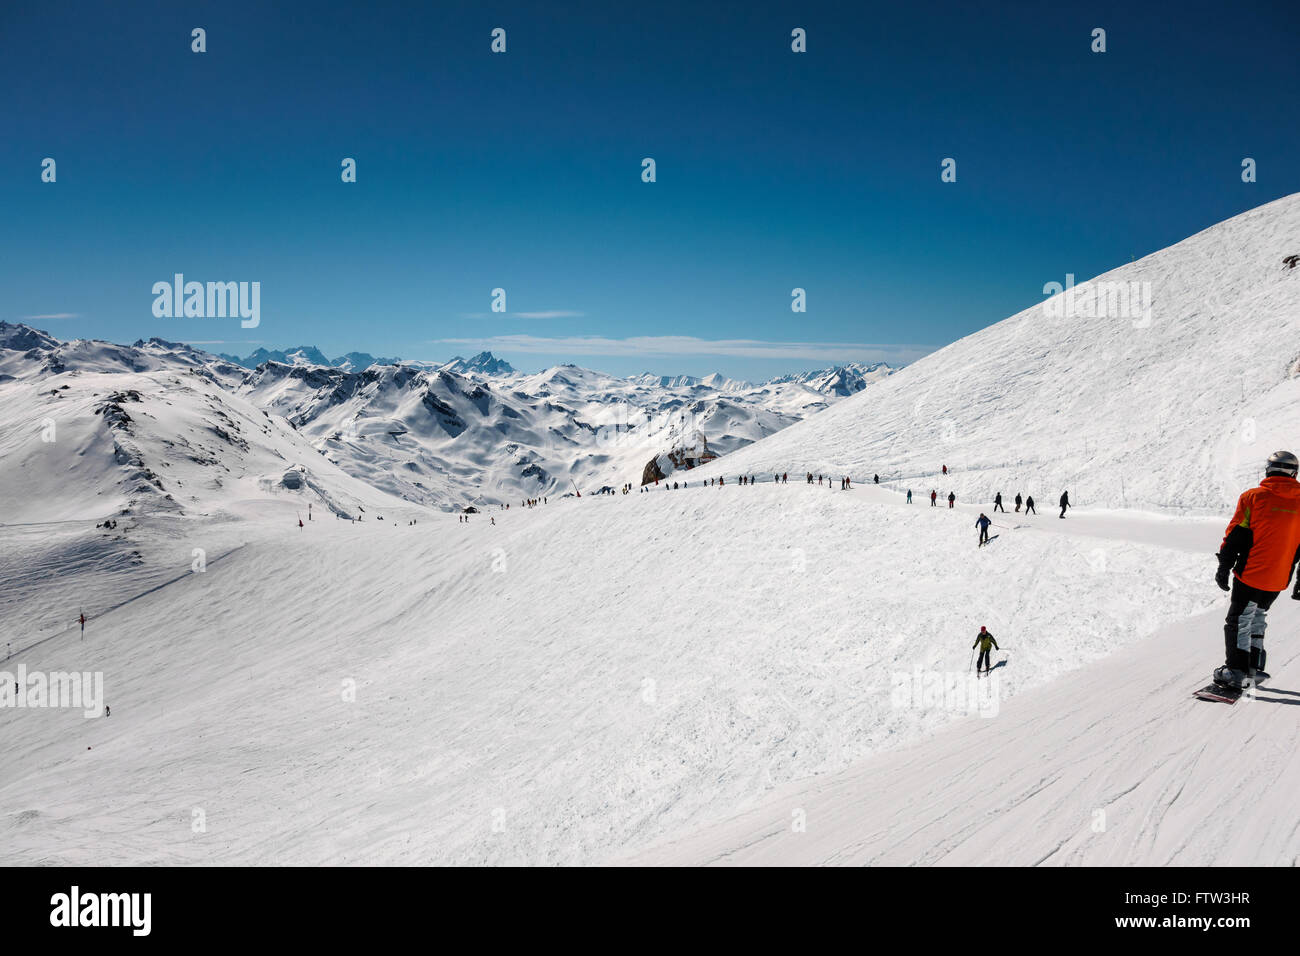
686, 345
53, 315
544, 314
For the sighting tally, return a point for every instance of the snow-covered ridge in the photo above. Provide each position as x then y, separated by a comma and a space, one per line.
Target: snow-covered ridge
1173, 410
102, 430
307, 355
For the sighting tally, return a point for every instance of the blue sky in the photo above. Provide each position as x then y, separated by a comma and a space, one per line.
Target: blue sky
523, 170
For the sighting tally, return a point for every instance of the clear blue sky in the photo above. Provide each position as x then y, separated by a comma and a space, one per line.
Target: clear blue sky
522, 170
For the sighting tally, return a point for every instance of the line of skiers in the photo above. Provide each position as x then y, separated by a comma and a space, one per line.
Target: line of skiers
1257, 560
934, 498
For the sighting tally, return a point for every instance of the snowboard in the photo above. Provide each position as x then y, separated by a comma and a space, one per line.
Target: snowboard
1227, 695
1217, 692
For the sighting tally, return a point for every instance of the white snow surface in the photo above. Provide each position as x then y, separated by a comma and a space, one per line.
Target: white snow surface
590, 676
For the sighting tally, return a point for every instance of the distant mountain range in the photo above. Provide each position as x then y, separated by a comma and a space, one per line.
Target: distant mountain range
196, 429
308, 355
841, 380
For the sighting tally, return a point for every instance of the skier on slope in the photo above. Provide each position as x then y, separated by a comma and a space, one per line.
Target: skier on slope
952, 497
984, 640
1065, 502
983, 522
82, 619
1019, 502
1259, 550
909, 496
933, 496
997, 503
1029, 505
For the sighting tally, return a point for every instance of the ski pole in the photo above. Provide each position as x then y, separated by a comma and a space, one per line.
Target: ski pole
972, 661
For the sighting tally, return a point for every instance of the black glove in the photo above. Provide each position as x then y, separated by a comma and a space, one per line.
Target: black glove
1221, 576
1295, 595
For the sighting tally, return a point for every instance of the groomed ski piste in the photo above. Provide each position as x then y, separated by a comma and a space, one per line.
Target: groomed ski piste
775, 674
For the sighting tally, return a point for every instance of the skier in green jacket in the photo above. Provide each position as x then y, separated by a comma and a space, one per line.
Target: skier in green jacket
984, 640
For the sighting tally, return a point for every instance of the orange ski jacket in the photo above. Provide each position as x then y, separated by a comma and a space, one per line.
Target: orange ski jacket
1263, 539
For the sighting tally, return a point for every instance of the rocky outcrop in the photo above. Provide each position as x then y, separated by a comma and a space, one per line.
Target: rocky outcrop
691, 453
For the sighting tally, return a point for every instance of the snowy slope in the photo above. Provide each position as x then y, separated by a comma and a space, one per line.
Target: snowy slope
1175, 415
590, 676
1114, 766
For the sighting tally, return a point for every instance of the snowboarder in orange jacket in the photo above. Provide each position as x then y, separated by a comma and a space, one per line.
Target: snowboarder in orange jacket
1259, 552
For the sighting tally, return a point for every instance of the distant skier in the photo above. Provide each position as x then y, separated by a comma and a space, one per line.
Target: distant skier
1065, 502
299, 522
952, 498
984, 640
1019, 502
1029, 505
934, 497
877, 479
82, 619
945, 469
1260, 550
983, 522
909, 496
997, 503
